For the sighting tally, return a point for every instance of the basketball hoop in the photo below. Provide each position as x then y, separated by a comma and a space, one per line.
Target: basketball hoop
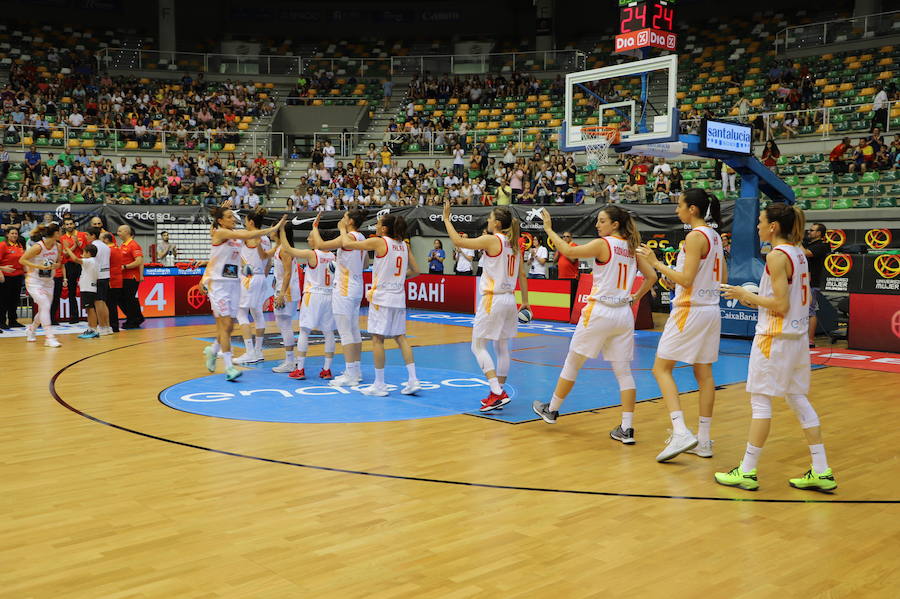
597, 141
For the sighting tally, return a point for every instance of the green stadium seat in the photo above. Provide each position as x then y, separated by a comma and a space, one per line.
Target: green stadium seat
887, 202
890, 176
814, 158
812, 192
843, 204
869, 177
811, 180
854, 190
861, 203
802, 204
792, 180
847, 178
796, 159
821, 204
805, 169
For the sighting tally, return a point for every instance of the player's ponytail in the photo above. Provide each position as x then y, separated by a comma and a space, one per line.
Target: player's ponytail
707, 204
257, 216
42, 231
357, 217
791, 221
508, 224
396, 226
627, 227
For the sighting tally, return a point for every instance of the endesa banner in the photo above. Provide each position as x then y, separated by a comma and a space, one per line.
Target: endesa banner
874, 322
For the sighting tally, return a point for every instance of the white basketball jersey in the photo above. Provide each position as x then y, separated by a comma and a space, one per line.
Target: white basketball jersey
293, 291
613, 279
250, 255
224, 261
389, 275
46, 257
319, 278
796, 321
705, 291
350, 263
499, 273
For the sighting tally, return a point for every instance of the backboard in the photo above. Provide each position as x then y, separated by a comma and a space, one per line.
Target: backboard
636, 97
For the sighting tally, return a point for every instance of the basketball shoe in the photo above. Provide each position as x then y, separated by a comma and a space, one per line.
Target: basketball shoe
494, 401
738, 478
626, 435
543, 410
677, 444
815, 481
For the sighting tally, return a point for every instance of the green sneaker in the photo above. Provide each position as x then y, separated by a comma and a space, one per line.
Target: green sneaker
815, 481
232, 373
210, 358
738, 478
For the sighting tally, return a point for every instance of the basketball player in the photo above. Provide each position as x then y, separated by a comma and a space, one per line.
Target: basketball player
315, 307
222, 283
691, 334
40, 262
607, 322
496, 316
779, 360
254, 291
347, 294
100, 302
287, 294
387, 298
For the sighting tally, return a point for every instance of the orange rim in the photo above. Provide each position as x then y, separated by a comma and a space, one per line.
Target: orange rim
610, 133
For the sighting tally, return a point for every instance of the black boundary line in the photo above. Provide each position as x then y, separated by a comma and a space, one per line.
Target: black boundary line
62, 402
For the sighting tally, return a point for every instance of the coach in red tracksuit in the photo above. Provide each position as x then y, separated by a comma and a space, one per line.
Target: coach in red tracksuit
76, 241
132, 274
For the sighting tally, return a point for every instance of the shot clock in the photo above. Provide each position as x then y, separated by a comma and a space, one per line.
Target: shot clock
646, 24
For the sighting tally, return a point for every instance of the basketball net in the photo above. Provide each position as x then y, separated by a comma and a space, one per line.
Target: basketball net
597, 141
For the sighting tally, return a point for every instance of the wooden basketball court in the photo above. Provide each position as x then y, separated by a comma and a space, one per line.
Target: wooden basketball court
107, 492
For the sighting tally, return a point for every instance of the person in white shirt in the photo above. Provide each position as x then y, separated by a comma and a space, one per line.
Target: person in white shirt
328, 152
87, 286
464, 258
662, 168
252, 200
458, 161
539, 256
93, 237
612, 192
880, 109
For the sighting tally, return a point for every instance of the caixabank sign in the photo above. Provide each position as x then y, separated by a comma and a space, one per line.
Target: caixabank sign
737, 320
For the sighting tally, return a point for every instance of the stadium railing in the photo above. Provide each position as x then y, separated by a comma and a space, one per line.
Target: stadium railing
116, 141
838, 31
154, 60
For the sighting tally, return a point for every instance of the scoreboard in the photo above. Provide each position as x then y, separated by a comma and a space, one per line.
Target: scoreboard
646, 24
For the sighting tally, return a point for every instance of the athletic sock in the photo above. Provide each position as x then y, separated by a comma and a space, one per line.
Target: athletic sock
411, 371
496, 389
703, 429
259, 342
627, 420
355, 369
678, 426
227, 357
249, 345
819, 461
379, 376
328, 360
301, 360
751, 458
289, 357
555, 402
215, 346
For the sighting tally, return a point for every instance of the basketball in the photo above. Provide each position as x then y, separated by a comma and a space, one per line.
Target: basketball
525, 315
751, 287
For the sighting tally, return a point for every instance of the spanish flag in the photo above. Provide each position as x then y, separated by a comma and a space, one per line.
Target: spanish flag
550, 299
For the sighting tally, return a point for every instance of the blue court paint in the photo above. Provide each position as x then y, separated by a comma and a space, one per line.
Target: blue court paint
262, 395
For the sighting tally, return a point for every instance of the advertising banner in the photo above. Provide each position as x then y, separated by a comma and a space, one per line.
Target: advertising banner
874, 322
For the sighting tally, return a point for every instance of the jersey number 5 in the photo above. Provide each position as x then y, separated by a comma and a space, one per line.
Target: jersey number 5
804, 288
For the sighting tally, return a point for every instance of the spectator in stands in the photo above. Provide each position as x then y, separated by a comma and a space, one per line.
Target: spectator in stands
771, 154
880, 108
661, 190
436, 258
566, 268
4, 162
537, 259
640, 171
676, 185
729, 179
32, 161
863, 157
837, 158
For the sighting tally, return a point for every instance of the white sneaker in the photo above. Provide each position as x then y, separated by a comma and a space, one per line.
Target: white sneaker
703, 450
52, 342
345, 380
246, 358
283, 367
376, 390
411, 387
677, 444
104, 331
30, 334
258, 357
